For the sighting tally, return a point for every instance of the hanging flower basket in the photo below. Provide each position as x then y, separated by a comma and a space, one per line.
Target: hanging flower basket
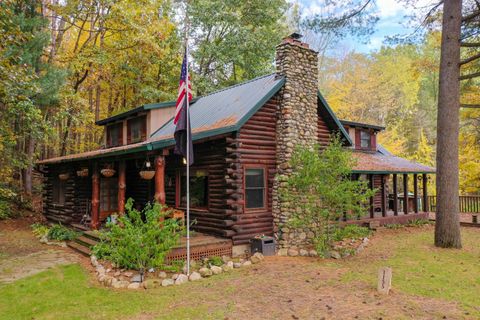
107, 173
63, 176
147, 174
82, 172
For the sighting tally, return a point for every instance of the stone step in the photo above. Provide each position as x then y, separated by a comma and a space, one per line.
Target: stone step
79, 248
86, 241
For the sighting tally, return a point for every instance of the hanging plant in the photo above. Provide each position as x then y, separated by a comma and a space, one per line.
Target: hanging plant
147, 172
63, 176
108, 171
82, 172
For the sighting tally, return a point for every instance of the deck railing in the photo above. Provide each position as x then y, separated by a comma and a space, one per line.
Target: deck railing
467, 204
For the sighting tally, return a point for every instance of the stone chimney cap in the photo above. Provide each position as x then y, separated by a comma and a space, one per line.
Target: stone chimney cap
294, 38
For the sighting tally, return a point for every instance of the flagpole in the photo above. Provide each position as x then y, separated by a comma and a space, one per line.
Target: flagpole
188, 138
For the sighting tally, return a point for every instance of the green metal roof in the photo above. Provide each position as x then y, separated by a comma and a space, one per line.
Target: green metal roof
126, 114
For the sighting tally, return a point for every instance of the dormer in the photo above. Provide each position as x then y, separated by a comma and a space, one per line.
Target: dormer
364, 136
136, 125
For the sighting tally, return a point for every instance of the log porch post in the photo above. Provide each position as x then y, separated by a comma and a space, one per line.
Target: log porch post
415, 193
372, 213
395, 194
160, 179
95, 222
384, 196
122, 185
425, 193
405, 193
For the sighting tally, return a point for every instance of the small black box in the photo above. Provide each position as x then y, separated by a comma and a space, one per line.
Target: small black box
264, 245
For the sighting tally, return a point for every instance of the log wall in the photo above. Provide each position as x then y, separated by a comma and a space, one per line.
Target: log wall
253, 146
323, 133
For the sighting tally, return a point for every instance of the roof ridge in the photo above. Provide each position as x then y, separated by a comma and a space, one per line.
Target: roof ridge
237, 85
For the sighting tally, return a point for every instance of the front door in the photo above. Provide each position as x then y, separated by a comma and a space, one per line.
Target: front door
108, 197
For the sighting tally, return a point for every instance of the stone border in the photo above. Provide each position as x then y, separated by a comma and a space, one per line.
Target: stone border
122, 279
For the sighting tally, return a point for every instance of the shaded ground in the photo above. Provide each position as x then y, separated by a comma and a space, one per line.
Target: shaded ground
428, 283
22, 255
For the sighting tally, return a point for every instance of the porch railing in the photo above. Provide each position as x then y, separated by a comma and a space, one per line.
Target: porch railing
467, 204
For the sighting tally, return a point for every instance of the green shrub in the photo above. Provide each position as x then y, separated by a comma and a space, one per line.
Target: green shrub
215, 261
7, 196
40, 230
393, 226
139, 244
418, 222
351, 231
5, 209
59, 232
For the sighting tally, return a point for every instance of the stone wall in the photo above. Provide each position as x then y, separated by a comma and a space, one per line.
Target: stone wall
296, 125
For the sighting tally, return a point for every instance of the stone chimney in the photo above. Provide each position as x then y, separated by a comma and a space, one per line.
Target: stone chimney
297, 124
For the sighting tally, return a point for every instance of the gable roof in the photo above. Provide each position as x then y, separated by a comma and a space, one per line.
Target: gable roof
383, 162
219, 112
363, 125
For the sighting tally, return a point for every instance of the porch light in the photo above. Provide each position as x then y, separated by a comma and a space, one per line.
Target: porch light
184, 161
148, 164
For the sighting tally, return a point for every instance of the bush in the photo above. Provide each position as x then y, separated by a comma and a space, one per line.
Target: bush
59, 232
7, 197
135, 243
40, 230
351, 231
5, 209
215, 261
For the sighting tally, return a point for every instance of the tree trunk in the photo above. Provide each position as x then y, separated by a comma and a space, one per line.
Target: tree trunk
447, 225
27, 177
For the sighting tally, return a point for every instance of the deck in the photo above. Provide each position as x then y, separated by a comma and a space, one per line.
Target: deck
201, 246
466, 219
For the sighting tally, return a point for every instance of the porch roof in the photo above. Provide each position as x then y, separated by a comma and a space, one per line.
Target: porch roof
386, 163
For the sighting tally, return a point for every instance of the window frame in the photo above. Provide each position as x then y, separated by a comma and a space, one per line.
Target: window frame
265, 186
365, 131
178, 188
119, 126
143, 129
58, 191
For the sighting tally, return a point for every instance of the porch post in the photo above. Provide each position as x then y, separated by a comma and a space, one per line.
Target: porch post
384, 196
405, 193
372, 213
425, 193
395, 195
95, 222
415, 193
160, 179
122, 185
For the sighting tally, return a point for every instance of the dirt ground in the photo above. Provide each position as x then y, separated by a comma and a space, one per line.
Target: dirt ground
22, 255
278, 288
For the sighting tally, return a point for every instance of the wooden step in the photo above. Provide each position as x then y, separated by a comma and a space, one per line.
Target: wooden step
92, 234
80, 227
86, 241
79, 248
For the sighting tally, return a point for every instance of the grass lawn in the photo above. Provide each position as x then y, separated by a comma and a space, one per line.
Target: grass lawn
420, 268
428, 283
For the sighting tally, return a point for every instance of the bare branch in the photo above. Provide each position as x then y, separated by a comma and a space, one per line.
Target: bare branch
470, 44
472, 58
471, 16
471, 106
469, 76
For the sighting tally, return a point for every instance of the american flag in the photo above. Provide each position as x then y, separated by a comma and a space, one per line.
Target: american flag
181, 90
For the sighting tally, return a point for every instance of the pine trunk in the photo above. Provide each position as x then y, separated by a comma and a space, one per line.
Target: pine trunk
447, 226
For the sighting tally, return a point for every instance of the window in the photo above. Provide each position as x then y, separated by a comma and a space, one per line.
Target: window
365, 139
108, 194
58, 191
115, 135
198, 190
255, 188
136, 129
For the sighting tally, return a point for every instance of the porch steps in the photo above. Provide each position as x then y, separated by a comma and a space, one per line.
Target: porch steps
79, 227
85, 250
84, 243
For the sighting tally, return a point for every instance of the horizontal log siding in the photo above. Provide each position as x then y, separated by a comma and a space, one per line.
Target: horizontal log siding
140, 190
77, 194
323, 133
254, 145
209, 156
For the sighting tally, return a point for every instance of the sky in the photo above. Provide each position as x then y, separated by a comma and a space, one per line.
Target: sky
391, 13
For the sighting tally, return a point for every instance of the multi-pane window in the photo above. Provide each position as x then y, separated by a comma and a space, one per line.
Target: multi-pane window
108, 195
58, 191
365, 142
136, 129
115, 135
198, 191
255, 188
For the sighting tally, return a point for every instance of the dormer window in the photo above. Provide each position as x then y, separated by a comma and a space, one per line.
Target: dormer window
114, 135
136, 129
365, 141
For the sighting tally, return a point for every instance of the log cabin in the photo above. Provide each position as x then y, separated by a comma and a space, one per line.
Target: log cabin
243, 136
